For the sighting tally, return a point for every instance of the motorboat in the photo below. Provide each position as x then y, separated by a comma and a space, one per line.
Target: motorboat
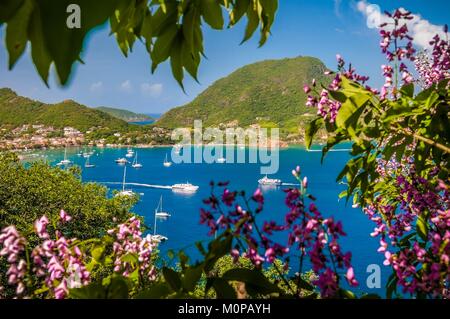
269, 181
121, 160
184, 188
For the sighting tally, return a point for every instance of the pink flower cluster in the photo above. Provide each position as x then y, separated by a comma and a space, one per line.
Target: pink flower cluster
435, 68
326, 106
13, 247
128, 240
317, 237
59, 264
421, 265
307, 231
58, 261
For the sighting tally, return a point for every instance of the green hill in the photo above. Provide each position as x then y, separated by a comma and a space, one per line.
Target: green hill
125, 115
268, 93
17, 110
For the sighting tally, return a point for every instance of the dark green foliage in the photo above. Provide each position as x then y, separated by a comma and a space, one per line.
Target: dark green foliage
125, 115
169, 29
28, 193
17, 110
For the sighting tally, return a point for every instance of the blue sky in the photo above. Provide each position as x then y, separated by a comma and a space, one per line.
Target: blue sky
320, 28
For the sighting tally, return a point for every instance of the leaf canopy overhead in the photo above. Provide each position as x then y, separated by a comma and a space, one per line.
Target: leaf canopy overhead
169, 29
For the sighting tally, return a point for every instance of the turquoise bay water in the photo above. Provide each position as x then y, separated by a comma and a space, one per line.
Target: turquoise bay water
183, 228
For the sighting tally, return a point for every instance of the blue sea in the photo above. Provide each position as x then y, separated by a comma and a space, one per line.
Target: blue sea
183, 228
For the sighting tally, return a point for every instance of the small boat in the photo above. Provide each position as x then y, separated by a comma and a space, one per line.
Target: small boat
184, 188
221, 160
135, 162
121, 161
269, 181
87, 164
159, 211
156, 237
65, 161
125, 192
130, 153
167, 163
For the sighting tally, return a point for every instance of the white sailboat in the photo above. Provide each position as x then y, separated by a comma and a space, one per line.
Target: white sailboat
125, 192
135, 162
87, 164
156, 237
159, 210
65, 161
167, 163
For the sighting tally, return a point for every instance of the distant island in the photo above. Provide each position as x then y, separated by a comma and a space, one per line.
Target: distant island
125, 115
267, 94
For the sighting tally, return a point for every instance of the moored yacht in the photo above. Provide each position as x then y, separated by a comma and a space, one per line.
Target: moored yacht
121, 160
184, 188
130, 153
159, 212
269, 181
166, 162
88, 164
65, 161
125, 192
136, 164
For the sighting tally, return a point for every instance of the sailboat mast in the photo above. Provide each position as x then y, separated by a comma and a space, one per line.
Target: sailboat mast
124, 174
154, 226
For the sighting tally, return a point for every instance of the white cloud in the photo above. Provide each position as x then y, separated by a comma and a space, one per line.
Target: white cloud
96, 87
151, 90
337, 8
126, 86
421, 29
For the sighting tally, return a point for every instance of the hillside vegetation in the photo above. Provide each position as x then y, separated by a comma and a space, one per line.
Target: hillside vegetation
17, 110
268, 93
125, 115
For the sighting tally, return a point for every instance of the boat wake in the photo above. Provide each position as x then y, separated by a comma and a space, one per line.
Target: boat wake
138, 185
335, 150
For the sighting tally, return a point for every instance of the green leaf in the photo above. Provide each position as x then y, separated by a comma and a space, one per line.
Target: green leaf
223, 289
217, 249
212, 13
239, 9
311, 130
172, 278
176, 61
39, 53
407, 90
63, 44
17, 32
163, 45
8, 8
252, 24
191, 276
422, 227
156, 291
253, 277
97, 253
